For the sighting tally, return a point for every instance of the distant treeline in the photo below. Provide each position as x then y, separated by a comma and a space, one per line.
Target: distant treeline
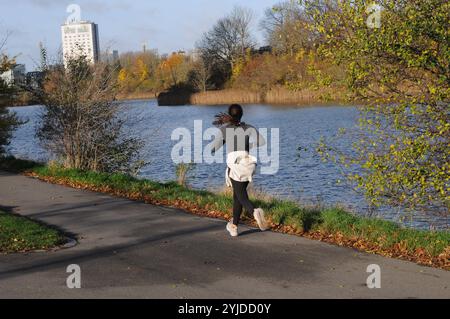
289, 69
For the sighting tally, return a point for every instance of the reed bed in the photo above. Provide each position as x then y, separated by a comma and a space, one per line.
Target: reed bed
285, 96
274, 96
226, 97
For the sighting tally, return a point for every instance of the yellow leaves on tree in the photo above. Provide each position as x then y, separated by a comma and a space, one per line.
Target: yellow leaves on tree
171, 65
142, 69
133, 75
123, 75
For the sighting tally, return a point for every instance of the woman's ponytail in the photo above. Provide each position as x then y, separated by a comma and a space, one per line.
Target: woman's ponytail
234, 116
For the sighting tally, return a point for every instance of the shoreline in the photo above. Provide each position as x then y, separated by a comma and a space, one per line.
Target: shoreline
281, 105
275, 97
137, 96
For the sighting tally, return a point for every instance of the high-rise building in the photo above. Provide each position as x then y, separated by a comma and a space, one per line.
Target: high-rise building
80, 39
115, 55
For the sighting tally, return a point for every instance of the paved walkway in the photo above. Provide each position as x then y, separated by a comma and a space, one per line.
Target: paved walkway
133, 250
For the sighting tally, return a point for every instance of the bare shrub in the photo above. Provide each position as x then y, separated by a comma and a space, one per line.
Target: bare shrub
8, 120
81, 124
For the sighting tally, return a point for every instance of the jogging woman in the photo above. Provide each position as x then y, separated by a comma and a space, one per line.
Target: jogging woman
241, 166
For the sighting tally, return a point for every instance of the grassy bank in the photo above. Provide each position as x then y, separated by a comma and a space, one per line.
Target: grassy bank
332, 225
274, 96
19, 234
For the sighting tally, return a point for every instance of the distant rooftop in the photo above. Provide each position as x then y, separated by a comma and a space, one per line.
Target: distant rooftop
79, 22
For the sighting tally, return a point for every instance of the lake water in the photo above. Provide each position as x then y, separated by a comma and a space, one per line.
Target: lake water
302, 175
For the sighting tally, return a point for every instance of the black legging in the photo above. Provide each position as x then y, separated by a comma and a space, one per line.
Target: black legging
240, 200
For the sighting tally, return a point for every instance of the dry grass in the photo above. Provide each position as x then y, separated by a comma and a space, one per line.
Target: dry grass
275, 96
284, 96
226, 97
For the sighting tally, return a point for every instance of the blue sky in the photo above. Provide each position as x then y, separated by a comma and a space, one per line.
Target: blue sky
167, 25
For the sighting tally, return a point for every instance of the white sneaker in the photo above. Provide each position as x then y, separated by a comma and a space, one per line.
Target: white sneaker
232, 229
261, 219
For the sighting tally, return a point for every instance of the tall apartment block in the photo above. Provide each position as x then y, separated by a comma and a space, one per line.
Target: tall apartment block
80, 39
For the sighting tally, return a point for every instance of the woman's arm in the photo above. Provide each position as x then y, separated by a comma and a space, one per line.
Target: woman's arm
260, 140
218, 142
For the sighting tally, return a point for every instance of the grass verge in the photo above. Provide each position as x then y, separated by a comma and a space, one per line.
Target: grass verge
332, 225
19, 234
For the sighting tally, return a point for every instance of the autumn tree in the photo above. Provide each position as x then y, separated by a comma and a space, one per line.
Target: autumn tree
227, 43
200, 75
139, 72
401, 67
172, 67
286, 28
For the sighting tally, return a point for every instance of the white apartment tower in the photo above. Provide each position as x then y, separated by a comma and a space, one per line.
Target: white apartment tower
80, 39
